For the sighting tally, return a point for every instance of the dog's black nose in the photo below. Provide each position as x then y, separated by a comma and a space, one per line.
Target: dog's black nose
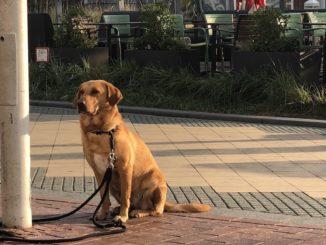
81, 107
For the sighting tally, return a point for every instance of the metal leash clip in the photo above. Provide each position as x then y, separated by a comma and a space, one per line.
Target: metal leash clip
112, 159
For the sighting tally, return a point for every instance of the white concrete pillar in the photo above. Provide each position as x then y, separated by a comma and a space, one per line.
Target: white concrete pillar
14, 115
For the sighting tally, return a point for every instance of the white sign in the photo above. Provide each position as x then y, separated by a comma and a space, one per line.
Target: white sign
42, 54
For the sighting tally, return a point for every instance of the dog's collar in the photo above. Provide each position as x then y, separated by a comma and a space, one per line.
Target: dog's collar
112, 156
103, 132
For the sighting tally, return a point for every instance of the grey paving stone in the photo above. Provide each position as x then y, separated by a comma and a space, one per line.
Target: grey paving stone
170, 197
256, 205
58, 183
201, 195
297, 204
190, 195
89, 184
321, 209
68, 184
242, 203
214, 197
179, 195
48, 183
79, 184
322, 201
95, 183
228, 200
267, 204
279, 203
33, 174
39, 178
303, 205
290, 204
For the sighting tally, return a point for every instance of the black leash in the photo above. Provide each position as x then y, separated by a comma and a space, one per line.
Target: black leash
116, 227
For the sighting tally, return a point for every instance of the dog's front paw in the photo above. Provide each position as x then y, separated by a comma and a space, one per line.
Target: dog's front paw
134, 214
101, 215
115, 211
119, 218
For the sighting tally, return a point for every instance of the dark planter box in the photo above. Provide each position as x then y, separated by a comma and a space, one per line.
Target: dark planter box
96, 56
304, 66
167, 58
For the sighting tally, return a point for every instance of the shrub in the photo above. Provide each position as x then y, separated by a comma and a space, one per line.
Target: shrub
72, 32
267, 32
59, 81
159, 27
270, 91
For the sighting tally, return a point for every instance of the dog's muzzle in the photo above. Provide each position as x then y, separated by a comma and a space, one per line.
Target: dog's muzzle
81, 107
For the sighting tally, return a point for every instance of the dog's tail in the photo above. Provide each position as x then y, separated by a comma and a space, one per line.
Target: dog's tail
186, 208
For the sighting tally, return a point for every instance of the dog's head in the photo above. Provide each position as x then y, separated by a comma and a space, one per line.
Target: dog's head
95, 95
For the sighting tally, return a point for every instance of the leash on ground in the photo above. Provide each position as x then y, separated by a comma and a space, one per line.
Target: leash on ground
115, 227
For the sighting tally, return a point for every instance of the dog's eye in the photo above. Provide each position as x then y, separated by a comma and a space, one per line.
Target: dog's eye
95, 92
81, 92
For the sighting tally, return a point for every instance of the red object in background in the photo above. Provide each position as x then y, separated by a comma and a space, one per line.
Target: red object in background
237, 4
260, 3
250, 4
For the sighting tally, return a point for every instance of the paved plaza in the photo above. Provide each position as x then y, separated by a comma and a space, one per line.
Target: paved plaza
265, 183
241, 166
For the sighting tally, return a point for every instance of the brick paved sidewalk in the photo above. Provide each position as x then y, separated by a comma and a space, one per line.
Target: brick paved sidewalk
171, 228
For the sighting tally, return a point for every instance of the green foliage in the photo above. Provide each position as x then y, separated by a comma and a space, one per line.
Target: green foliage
159, 27
271, 91
72, 32
267, 25
173, 44
319, 95
281, 88
267, 32
59, 81
93, 13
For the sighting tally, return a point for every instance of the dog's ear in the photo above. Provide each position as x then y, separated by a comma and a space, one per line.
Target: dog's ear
75, 100
114, 94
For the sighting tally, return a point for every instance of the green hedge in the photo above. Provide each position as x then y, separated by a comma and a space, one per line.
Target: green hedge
269, 92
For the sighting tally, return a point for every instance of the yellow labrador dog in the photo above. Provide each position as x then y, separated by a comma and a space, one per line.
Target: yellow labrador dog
137, 183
